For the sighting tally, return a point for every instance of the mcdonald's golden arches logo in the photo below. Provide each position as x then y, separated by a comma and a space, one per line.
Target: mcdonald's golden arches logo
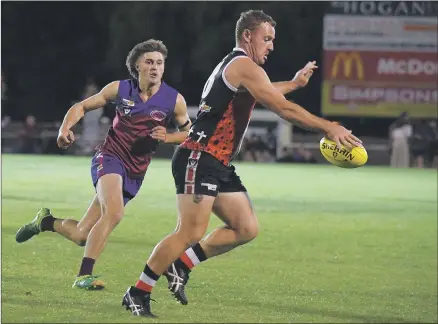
349, 60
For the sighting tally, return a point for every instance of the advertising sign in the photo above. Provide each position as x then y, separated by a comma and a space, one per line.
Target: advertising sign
380, 59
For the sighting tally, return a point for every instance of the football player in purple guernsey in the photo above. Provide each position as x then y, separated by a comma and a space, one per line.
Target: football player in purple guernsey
144, 106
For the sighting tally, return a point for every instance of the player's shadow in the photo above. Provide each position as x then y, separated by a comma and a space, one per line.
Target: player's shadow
8, 230
34, 300
47, 200
129, 242
413, 200
364, 318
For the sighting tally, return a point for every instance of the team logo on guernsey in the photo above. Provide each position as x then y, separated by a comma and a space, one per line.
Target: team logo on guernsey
126, 111
127, 102
193, 162
158, 115
204, 108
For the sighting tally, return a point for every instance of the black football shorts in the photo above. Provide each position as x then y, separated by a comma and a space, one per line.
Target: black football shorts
197, 172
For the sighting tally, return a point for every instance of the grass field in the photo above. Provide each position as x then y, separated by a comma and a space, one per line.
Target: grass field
335, 245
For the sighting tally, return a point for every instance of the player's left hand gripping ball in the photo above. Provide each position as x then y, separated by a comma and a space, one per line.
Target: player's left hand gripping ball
342, 156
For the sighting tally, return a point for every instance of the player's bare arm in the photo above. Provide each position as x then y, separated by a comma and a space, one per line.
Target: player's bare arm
182, 120
78, 110
256, 81
300, 79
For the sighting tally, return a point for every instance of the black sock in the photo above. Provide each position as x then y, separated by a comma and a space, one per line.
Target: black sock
86, 266
181, 265
47, 223
199, 252
148, 272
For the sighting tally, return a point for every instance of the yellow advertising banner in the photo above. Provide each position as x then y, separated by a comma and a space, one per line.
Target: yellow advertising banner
379, 109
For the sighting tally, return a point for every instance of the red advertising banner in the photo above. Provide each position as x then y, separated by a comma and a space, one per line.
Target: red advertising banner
399, 67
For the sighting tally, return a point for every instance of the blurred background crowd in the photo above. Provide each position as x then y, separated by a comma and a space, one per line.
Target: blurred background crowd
382, 87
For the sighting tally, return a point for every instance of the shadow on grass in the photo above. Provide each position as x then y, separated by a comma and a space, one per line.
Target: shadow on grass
39, 200
365, 318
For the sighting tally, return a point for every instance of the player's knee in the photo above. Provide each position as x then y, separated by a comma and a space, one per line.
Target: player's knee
81, 242
81, 238
248, 232
114, 216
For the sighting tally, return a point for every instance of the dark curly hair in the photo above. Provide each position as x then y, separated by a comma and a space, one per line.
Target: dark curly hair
251, 19
151, 45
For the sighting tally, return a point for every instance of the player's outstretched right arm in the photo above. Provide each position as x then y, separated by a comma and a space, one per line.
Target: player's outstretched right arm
78, 110
256, 81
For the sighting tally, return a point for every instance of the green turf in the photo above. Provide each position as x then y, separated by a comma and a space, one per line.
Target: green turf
335, 245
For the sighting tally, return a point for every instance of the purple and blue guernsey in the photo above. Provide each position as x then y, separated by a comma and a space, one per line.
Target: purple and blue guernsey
129, 137
128, 147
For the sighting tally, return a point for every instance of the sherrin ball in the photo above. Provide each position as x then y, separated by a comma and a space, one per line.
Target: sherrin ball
343, 157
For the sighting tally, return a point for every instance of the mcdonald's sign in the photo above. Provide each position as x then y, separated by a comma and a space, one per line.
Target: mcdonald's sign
349, 61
